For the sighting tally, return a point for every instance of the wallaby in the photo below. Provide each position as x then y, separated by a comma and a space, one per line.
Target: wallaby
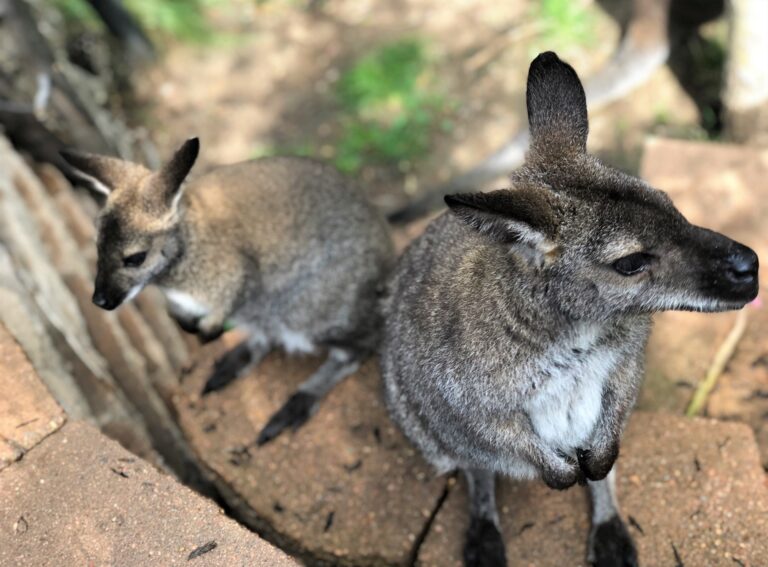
285, 248
656, 32
515, 326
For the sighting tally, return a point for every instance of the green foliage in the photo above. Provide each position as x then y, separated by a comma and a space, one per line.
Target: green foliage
390, 106
184, 20
565, 23
180, 19
78, 11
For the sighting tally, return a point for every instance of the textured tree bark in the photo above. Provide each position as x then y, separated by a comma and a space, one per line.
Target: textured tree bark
746, 88
46, 102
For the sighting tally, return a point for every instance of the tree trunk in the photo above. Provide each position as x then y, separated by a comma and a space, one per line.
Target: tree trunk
746, 88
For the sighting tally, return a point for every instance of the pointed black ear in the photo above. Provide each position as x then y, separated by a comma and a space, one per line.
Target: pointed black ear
176, 170
557, 107
521, 216
102, 173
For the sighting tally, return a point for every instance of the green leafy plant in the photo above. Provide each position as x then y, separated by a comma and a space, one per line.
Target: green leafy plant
184, 20
565, 23
390, 106
180, 19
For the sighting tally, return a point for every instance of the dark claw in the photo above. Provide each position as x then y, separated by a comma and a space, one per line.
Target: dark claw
612, 546
596, 467
296, 411
212, 335
484, 546
188, 325
228, 367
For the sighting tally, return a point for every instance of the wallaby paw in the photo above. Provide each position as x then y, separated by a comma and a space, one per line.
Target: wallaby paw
208, 335
565, 475
296, 411
227, 368
596, 465
610, 545
188, 325
484, 546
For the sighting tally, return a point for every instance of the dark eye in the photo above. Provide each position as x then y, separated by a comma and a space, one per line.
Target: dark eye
134, 260
633, 264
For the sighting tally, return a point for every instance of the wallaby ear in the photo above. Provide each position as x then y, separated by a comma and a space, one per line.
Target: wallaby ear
173, 173
557, 107
101, 173
522, 217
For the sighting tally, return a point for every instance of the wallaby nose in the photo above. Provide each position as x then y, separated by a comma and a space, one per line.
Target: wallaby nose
99, 299
742, 265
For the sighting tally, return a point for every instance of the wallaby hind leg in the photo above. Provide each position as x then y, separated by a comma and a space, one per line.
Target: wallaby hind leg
610, 544
341, 362
484, 546
236, 362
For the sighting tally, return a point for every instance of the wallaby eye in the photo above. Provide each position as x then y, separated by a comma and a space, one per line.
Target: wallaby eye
134, 260
633, 264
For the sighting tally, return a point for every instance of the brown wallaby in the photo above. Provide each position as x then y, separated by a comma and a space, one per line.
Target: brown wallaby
285, 248
515, 326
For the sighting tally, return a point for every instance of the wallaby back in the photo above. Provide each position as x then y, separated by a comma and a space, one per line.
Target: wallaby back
285, 245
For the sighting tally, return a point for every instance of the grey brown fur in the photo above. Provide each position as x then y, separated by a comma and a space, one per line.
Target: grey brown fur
285, 248
516, 324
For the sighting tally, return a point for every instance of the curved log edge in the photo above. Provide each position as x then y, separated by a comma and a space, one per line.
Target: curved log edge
346, 489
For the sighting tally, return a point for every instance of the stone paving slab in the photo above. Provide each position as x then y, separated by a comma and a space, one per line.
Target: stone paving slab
28, 413
346, 488
691, 485
81, 499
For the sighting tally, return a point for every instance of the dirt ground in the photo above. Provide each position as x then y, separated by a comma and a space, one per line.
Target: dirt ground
268, 82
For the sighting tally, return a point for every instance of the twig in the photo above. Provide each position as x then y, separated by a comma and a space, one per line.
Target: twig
723, 355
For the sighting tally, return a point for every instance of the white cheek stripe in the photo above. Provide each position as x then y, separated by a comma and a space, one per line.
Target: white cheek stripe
186, 303
133, 292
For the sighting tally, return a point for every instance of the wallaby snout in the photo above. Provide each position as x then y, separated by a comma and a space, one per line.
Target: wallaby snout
726, 271
100, 300
741, 267
108, 296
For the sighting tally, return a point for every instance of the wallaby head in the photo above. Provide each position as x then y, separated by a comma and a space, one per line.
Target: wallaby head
603, 242
139, 225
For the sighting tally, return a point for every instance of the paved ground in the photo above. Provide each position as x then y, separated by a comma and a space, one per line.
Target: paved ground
347, 488
691, 487
28, 413
70, 496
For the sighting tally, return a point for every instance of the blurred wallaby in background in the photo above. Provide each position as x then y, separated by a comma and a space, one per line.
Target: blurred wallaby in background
654, 32
284, 248
516, 324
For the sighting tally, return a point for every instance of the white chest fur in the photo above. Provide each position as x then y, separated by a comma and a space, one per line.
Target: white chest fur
294, 341
184, 303
567, 403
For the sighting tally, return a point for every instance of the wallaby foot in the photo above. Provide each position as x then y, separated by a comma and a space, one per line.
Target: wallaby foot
484, 546
296, 411
610, 545
234, 363
341, 362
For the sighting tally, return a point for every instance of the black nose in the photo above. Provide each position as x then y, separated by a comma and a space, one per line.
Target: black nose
742, 265
100, 299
